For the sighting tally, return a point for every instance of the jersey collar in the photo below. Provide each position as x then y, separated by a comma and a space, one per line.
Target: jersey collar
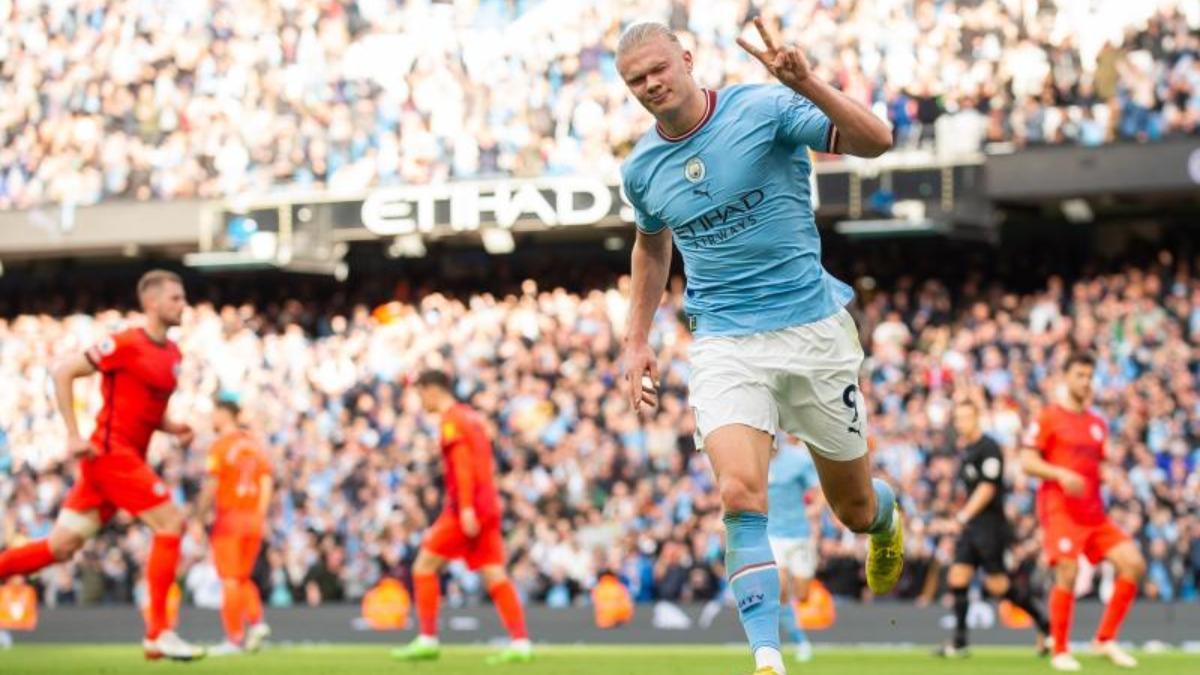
710, 106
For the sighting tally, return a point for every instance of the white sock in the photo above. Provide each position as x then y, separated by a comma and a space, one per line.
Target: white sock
427, 640
769, 656
522, 645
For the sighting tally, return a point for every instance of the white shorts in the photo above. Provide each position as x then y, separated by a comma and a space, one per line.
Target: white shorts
801, 380
798, 557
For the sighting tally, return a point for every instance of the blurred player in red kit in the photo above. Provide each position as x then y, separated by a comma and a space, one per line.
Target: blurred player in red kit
1065, 448
239, 487
139, 368
469, 527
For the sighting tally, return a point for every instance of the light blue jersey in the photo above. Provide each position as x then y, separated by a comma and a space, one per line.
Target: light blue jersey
735, 193
792, 475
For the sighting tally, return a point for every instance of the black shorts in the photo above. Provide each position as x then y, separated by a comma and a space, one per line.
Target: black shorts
983, 545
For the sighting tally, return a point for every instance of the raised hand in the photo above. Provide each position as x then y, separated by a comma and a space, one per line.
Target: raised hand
787, 64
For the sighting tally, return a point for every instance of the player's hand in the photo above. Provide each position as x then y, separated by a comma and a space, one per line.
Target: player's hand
185, 435
787, 64
641, 375
182, 432
469, 522
1071, 482
80, 448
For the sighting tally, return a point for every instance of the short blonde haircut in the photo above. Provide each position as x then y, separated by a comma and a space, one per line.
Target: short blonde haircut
643, 32
155, 278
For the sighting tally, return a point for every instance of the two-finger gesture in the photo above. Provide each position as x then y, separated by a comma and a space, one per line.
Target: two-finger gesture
787, 63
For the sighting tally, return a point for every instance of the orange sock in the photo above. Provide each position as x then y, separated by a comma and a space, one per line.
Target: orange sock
504, 594
425, 587
25, 559
252, 609
232, 609
160, 574
1062, 606
1124, 592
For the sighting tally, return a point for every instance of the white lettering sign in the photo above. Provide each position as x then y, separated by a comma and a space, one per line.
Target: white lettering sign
466, 207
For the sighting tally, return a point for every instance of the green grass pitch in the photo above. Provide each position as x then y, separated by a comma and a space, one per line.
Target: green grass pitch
667, 660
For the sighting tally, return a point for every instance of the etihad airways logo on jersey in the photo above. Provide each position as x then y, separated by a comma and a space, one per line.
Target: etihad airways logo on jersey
724, 222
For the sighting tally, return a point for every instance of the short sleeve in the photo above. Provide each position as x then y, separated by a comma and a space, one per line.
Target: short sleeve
1039, 434
800, 122
109, 354
991, 464
645, 222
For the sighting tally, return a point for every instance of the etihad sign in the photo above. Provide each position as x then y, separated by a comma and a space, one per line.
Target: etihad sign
465, 207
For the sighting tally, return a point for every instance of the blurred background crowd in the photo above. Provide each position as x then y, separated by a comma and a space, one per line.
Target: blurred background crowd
210, 98
588, 486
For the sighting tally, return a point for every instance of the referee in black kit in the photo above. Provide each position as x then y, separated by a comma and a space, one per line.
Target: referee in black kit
983, 532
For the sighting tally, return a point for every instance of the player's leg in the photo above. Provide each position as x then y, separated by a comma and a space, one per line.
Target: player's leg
78, 520
68, 535
226, 558
740, 455
426, 570
1131, 567
251, 597
1062, 610
127, 482
166, 520
798, 563
865, 505
959, 582
999, 584
819, 401
508, 605
992, 543
443, 542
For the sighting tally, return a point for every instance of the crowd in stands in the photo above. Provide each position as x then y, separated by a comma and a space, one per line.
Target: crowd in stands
588, 486
208, 98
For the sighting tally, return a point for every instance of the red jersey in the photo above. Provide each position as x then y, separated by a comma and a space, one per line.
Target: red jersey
1073, 440
139, 376
467, 451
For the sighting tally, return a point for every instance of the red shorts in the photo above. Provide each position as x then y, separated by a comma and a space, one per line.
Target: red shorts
234, 555
117, 479
1065, 539
446, 539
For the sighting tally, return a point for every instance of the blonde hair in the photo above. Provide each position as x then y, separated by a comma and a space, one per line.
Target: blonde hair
155, 278
643, 32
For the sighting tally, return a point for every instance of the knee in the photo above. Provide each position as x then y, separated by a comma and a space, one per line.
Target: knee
1064, 575
425, 564
856, 512
64, 544
169, 520
492, 575
739, 495
1133, 568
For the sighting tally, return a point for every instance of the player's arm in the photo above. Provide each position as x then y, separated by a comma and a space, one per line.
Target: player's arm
650, 265
1036, 465
64, 376
858, 131
980, 497
205, 501
212, 477
991, 472
266, 488
464, 481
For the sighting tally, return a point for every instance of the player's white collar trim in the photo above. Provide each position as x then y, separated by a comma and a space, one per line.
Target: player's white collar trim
710, 106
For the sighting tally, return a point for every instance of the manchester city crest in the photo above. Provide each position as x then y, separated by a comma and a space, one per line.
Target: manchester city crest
694, 170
